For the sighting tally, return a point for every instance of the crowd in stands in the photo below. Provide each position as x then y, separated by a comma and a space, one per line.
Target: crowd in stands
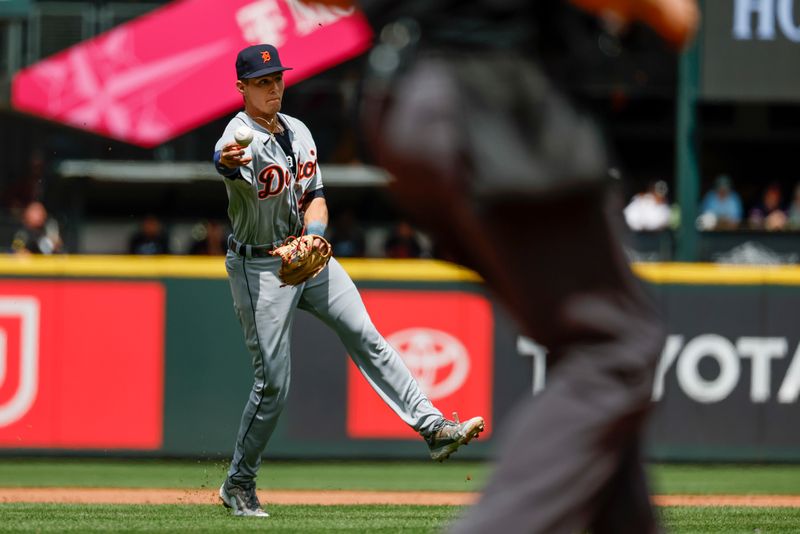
721, 208
38, 233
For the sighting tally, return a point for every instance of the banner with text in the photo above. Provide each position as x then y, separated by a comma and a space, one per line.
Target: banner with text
751, 50
171, 70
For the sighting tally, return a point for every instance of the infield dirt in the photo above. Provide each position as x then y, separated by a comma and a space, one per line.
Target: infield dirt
339, 497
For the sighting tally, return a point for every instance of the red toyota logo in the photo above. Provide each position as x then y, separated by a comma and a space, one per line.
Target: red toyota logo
445, 340
438, 361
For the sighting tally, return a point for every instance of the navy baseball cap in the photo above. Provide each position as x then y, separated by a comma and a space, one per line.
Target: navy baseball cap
258, 60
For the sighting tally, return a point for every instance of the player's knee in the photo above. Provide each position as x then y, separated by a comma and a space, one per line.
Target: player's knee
273, 390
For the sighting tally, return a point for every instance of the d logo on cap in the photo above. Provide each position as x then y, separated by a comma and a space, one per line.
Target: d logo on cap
258, 60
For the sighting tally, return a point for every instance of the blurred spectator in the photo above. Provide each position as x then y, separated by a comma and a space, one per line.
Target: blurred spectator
722, 207
38, 234
150, 238
769, 214
402, 242
346, 236
649, 210
794, 209
209, 239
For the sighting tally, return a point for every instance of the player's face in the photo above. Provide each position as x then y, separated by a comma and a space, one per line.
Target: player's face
263, 95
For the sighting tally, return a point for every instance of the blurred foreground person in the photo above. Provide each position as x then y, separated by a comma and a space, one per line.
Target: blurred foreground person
487, 156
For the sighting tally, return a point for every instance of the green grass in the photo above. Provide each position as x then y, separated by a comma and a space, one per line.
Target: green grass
450, 476
174, 518
726, 479
406, 519
730, 520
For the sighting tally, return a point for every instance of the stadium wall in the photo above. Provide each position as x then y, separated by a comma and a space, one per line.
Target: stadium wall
117, 355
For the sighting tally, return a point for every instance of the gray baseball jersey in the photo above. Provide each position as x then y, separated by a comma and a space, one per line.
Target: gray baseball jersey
264, 208
264, 205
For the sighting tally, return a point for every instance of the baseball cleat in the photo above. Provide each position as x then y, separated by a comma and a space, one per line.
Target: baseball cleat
243, 501
450, 435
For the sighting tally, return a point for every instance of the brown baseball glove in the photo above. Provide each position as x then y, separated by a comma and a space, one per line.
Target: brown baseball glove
302, 260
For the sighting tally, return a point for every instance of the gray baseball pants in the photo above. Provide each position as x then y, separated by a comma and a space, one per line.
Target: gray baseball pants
266, 313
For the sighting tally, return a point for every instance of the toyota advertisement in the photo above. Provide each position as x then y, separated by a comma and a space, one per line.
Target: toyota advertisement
159, 367
445, 339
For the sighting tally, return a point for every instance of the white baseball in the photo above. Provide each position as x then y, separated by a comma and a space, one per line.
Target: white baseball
243, 136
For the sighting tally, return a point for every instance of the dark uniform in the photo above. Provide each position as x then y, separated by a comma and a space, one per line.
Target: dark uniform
496, 163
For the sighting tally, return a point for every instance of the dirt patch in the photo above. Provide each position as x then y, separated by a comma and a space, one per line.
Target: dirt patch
337, 497
758, 501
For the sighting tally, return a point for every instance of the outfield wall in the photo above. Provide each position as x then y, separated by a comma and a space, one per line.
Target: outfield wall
131, 355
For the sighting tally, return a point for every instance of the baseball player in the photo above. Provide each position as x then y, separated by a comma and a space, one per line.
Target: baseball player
275, 191
494, 160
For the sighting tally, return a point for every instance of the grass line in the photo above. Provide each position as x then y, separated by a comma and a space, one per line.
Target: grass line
453, 475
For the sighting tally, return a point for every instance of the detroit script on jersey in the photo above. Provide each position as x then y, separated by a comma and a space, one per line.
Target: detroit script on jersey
276, 177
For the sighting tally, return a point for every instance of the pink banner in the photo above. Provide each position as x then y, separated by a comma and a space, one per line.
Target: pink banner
167, 72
